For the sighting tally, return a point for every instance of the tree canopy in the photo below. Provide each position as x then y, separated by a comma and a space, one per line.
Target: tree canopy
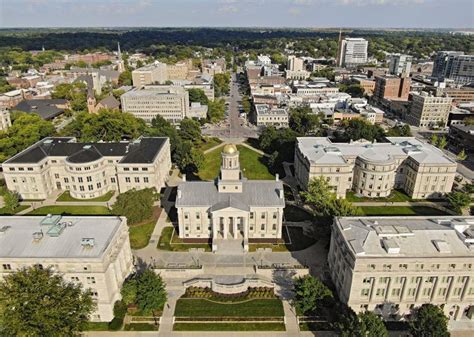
459, 200
365, 324
26, 129
356, 129
215, 110
135, 205
429, 320
221, 84
198, 95
400, 131
309, 292
38, 302
324, 202
106, 125
303, 120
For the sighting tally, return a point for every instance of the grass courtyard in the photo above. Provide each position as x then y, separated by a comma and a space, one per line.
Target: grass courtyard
400, 210
71, 210
20, 208
229, 327
252, 165
293, 240
170, 241
66, 196
140, 233
395, 196
209, 142
195, 307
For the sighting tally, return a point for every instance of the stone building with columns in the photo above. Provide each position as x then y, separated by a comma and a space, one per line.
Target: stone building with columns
390, 265
230, 208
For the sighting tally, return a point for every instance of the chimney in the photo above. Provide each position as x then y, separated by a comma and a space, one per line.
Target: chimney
281, 194
184, 177
178, 195
277, 177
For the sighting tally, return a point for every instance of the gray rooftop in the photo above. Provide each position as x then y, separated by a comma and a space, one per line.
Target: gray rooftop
265, 110
255, 193
413, 236
320, 150
61, 236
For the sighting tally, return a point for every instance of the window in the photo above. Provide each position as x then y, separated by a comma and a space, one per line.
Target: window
89, 179
80, 179
262, 227
127, 179
135, 169
75, 279
274, 226
90, 187
186, 215
366, 280
380, 292
126, 169
145, 179
144, 168
81, 188
403, 266
137, 179
56, 175
7, 267
275, 215
395, 292
91, 280
263, 216
198, 215
364, 292
66, 180
411, 292
112, 180
251, 215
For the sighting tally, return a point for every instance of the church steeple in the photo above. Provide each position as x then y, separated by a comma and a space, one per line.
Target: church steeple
120, 64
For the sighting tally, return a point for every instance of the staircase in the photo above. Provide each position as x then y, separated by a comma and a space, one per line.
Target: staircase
228, 246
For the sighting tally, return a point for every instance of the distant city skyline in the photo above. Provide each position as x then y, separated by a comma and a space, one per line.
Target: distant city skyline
457, 14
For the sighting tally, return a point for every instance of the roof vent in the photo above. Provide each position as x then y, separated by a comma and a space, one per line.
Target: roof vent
442, 246
87, 242
86, 147
4, 229
391, 246
37, 236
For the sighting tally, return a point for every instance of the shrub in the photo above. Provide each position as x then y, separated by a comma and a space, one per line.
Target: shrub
116, 324
120, 309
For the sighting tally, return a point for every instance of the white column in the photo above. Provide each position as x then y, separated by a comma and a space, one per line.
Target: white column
226, 227
245, 227
235, 227
214, 226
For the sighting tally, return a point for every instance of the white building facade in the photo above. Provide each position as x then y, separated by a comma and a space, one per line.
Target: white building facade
93, 251
391, 265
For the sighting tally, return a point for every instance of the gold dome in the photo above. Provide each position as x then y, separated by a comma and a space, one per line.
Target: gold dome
229, 149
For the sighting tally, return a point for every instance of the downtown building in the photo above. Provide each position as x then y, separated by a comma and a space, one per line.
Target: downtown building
391, 265
427, 110
88, 170
168, 101
352, 52
455, 66
91, 250
374, 169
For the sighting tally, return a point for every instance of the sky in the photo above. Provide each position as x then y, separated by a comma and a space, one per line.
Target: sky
238, 13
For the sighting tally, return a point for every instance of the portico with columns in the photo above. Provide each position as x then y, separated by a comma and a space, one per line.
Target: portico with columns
230, 207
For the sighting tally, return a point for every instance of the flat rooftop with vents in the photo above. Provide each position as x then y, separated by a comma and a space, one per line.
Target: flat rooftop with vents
436, 236
56, 236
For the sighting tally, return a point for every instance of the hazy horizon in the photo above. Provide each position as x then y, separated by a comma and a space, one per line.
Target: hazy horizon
316, 14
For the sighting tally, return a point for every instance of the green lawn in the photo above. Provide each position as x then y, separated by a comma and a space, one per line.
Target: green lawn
66, 196
140, 234
296, 241
97, 326
251, 163
395, 196
186, 307
177, 244
16, 210
229, 327
141, 327
71, 210
400, 210
210, 143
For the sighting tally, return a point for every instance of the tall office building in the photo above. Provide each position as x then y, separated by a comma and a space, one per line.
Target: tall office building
295, 63
352, 52
400, 64
427, 110
455, 66
391, 87
170, 102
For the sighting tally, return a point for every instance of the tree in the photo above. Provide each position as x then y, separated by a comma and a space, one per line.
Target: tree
356, 129
458, 201
75, 93
187, 157
462, 155
129, 291
39, 302
125, 78
246, 104
397, 131
135, 205
372, 325
198, 95
26, 130
442, 142
106, 125
190, 130
309, 291
468, 121
365, 324
429, 320
151, 292
221, 84
434, 139
355, 90
303, 120
11, 201
324, 202
215, 110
